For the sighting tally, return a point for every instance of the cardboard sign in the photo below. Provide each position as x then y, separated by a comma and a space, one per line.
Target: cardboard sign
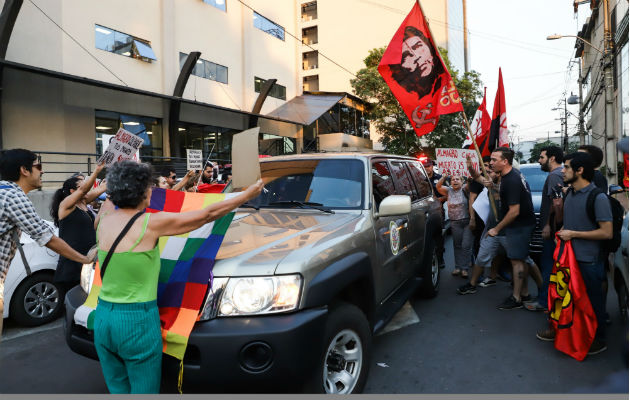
245, 165
453, 161
194, 160
121, 147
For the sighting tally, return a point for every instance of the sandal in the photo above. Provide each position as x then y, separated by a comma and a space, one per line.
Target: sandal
456, 272
464, 274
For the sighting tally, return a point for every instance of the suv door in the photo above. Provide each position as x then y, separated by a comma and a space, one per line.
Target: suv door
417, 218
392, 233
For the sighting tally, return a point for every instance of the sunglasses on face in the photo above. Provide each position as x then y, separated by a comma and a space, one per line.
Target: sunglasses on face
38, 166
172, 177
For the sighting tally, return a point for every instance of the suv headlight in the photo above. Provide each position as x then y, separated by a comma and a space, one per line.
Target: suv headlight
87, 275
260, 295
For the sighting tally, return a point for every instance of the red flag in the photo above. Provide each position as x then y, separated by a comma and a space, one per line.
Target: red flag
625, 169
570, 311
480, 126
414, 71
498, 128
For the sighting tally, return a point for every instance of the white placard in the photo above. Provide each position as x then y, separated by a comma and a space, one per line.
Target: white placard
453, 161
482, 205
121, 147
245, 164
194, 160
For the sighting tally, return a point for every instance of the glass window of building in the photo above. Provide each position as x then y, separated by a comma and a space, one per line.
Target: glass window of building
268, 26
124, 44
214, 142
149, 129
277, 91
220, 4
206, 69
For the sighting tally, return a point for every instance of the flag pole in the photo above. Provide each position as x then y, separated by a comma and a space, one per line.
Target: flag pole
474, 139
482, 167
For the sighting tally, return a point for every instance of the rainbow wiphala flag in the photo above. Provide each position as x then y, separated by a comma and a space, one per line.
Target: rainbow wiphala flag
186, 269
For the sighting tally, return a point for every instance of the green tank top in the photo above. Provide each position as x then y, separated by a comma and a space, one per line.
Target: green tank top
131, 277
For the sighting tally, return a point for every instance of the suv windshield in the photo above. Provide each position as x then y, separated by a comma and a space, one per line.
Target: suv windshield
330, 183
535, 177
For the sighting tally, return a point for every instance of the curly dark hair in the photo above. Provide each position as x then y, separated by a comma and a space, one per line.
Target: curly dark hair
127, 182
412, 81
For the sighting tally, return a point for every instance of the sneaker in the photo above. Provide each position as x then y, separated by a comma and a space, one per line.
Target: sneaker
510, 304
487, 282
534, 306
547, 335
526, 298
597, 347
467, 289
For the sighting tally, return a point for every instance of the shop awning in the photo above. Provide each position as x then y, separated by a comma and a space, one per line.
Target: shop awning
307, 108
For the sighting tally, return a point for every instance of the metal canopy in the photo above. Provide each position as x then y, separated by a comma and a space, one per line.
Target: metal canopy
307, 108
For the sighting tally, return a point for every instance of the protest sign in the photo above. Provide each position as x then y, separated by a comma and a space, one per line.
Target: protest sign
482, 205
245, 165
121, 147
452, 162
194, 160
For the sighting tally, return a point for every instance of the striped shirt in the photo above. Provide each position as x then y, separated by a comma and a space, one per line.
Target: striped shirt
17, 214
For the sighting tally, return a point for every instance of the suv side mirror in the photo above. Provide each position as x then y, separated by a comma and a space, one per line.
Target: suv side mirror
614, 189
394, 205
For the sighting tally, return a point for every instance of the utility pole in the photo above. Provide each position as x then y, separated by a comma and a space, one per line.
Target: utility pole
565, 143
581, 112
610, 149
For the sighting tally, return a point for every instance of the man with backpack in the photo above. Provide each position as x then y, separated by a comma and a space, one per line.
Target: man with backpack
588, 224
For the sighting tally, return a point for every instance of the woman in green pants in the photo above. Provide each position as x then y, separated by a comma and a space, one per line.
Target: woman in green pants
127, 324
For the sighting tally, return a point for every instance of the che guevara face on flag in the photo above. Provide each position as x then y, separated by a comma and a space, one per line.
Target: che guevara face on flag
414, 71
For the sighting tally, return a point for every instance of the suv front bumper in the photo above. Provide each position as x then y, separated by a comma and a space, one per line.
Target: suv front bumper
273, 351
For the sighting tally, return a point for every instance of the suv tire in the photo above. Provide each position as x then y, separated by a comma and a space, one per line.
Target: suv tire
345, 354
36, 300
430, 273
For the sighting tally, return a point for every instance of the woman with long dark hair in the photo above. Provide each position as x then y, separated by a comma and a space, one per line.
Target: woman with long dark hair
76, 224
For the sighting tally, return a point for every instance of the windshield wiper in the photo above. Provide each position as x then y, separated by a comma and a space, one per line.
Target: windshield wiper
307, 204
247, 205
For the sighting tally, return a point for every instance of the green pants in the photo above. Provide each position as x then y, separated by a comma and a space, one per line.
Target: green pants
129, 346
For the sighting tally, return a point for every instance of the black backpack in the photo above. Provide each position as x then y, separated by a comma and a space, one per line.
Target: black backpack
610, 245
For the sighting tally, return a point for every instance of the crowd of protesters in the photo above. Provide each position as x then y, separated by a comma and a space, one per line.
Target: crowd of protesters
564, 213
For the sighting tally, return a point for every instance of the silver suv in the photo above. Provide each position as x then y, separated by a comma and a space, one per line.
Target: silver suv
307, 273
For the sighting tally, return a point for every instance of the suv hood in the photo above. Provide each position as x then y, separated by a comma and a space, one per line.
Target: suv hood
258, 241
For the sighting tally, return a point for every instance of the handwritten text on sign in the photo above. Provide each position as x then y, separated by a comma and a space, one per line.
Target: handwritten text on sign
122, 147
195, 160
453, 161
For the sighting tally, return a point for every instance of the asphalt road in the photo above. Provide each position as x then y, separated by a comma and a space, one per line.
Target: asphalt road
449, 344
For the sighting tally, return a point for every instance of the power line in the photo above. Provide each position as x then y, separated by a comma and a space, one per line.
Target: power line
296, 38
77, 42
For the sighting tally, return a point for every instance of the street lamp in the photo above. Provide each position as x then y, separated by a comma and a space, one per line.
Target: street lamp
555, 37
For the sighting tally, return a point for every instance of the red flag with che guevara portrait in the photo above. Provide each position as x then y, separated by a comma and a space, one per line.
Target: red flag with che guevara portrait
570, 310
415, 73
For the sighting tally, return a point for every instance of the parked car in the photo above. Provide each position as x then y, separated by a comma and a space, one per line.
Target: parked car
352, 233
535, 177
32, 299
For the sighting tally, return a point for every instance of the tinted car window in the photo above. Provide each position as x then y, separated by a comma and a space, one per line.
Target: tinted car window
403, 178
535, 177
382, 182
420, 179
333, 183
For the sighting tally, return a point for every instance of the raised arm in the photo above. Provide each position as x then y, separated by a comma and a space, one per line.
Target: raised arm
94, 193
441, 189
169, 224
180, 185
71, 201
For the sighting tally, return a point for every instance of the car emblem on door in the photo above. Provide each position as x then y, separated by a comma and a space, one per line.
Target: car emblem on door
394, 237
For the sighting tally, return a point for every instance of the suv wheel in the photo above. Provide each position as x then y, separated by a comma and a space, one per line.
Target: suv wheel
430, 273
347, 347
36, 301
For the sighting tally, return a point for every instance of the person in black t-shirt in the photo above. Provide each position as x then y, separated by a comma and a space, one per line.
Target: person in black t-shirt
516, 219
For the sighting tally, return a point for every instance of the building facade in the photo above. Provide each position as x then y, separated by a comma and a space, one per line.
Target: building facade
604, 73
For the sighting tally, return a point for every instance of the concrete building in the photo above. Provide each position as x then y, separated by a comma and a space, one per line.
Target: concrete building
607, 32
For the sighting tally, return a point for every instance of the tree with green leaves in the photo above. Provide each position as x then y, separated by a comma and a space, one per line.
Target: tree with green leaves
391, 121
